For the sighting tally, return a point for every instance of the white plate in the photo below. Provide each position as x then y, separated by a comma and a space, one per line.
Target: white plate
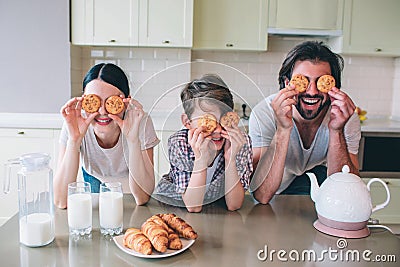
119, 241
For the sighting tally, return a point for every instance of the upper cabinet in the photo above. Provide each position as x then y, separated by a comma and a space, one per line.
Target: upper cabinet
310, 17
230, 24
371, 27
155, 23
166, 23
103, 22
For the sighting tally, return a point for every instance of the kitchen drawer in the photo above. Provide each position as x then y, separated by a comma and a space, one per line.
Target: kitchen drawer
21, 132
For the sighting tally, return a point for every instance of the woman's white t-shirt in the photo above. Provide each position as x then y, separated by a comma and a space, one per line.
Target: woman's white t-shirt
111, 164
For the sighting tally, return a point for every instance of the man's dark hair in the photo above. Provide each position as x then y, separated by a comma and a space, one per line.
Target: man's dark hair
312, 51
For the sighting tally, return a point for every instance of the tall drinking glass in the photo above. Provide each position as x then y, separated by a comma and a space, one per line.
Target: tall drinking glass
111, 208
79, 208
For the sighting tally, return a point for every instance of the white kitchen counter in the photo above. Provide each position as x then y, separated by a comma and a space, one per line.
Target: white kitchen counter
163, 121
55, 120
31, 120
381, 124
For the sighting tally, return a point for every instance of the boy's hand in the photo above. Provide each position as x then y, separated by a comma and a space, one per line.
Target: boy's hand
235, 140
202, 147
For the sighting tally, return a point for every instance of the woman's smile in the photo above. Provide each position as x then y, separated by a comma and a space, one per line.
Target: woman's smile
103, 121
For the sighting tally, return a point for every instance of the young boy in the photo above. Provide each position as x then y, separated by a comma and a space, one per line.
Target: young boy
207, 164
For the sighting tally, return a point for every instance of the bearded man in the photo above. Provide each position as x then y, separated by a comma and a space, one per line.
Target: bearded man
296, 131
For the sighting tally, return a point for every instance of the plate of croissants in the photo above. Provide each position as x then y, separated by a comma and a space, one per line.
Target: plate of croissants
160, 236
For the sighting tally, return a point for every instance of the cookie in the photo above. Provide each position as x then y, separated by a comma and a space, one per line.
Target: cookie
91, 103
300, 82
209, 122
230, 118
325, 83
114, 105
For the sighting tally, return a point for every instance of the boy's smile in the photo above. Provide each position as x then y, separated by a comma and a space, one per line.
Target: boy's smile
214, 136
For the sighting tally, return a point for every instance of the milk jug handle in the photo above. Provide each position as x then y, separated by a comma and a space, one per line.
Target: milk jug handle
380, 206
7, 174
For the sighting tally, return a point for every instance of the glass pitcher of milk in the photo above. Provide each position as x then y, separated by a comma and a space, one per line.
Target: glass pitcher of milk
35, 194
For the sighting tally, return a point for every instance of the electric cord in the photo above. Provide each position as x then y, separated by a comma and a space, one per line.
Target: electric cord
374, 223
380, 226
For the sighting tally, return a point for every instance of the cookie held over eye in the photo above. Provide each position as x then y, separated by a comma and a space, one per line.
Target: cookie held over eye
208, 122
229, 119
91, 103
300, 82
114, 105
325, 83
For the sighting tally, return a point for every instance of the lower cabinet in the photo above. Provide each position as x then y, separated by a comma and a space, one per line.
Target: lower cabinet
391, 213
161, 161
14, 143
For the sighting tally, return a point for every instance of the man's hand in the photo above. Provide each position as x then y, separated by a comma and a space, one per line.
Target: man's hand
342, 109
282, 105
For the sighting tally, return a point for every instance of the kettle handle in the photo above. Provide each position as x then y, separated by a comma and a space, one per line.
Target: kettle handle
380, 206
7, 174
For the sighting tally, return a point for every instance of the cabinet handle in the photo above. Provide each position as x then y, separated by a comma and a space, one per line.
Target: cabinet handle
229, 45
112, 41
378, 49
20, 132
165, 42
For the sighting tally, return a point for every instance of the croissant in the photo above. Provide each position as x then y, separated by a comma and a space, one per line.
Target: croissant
157, 235
158, 220
179, 225
174, 242
136, 240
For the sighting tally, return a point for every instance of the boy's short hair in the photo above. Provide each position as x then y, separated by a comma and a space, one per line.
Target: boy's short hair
210, 89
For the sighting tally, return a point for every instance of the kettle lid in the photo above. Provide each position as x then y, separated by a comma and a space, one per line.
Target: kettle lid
345, 175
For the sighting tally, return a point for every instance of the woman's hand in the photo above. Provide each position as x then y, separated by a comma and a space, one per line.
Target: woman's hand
131, 122
76, 123
342, 109
235, 140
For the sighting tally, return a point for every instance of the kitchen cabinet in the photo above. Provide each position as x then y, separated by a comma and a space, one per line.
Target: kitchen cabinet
161, 161
166, 23
315, 17
230, 24
14, 143
370, 27
103, 22
391, 213
156, 23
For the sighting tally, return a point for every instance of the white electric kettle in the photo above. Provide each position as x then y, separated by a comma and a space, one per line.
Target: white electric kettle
343, 204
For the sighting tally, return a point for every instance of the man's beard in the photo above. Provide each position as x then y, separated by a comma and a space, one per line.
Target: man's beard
308, 114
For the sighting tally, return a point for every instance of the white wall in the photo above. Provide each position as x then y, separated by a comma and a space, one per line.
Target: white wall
370, 81
154, 73
35, 57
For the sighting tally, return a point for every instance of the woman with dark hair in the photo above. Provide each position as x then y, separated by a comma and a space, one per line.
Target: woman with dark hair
110, 147
294, 131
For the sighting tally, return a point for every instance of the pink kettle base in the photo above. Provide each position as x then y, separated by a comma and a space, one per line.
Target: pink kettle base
361, 233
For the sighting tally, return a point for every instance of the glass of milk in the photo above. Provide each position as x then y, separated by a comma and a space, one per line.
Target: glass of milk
111, 208
79, 208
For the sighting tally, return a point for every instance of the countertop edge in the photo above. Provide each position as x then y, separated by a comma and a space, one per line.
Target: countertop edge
162, 122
